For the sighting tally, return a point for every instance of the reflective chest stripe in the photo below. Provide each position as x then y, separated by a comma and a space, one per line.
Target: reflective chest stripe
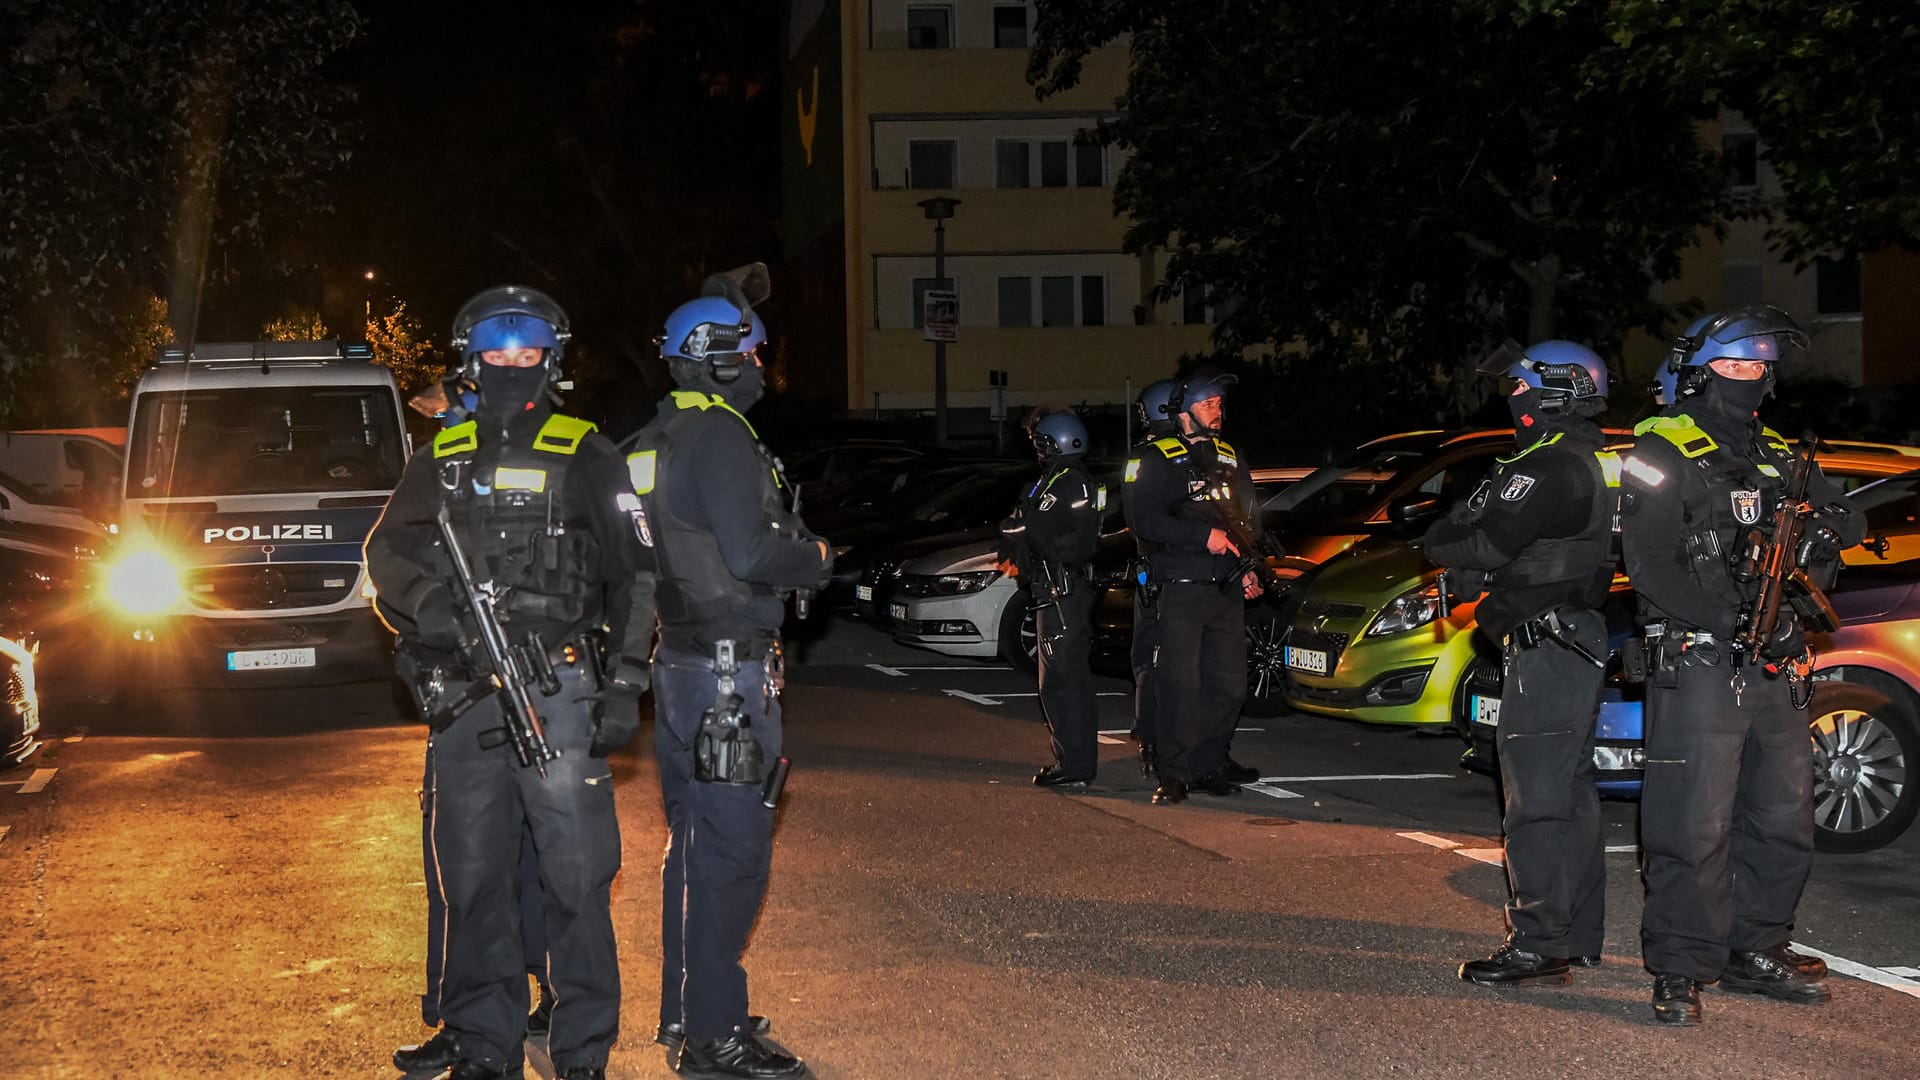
1610, 466
641, 468
1133, 471
509, 479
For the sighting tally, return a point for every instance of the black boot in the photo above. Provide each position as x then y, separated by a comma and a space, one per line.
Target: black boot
1762, 973
737, 1057
1238, 773
1676, 1000
1585, 960
540, 1020
1052, 777
1171, 791
671, 1035
473, 1070
431, 1056
1214, 784
1811, 968
1511, 965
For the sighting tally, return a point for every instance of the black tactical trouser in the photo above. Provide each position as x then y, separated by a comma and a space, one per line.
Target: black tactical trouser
719, 847
1065, 634
533, 927
483, 801
1146, 638
1556, 861
1200, 678
1726, 817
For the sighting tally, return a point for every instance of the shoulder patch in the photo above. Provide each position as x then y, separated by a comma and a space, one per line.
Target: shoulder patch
1171, 448
1517, 487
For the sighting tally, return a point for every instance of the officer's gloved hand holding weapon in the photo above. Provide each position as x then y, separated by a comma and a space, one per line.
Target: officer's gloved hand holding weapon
1254, 552
725, 751
1778, 557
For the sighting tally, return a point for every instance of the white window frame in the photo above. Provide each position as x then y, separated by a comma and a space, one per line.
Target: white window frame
953, 145
1026, 13
944, 9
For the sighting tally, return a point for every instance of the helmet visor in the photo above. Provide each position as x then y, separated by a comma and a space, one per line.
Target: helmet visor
710, 339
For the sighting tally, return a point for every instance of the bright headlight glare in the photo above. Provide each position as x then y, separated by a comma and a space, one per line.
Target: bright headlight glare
1410, 610
955, 584
144, 582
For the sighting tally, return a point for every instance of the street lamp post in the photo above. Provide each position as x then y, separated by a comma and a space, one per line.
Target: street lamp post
369, 276
938, 210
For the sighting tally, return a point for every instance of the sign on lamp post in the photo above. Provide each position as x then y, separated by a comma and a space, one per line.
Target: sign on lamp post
940, 315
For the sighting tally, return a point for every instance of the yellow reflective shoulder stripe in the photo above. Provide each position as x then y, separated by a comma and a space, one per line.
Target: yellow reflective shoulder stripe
457, 439
640, 469
1548, 441
1777, 440
563, 434
1171, 447
1225, 452
694, 399
1681, 431
1609, 466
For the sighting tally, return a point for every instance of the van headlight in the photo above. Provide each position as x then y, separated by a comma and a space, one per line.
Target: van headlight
1410, 610
144, 582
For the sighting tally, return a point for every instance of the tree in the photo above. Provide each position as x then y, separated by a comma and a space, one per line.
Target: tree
1395, 186
296, 324
1820, 82
141, 137
400, 342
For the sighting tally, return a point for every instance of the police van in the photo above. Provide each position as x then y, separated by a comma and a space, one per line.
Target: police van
254, 471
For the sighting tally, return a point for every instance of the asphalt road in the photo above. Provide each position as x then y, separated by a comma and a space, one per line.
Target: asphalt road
231, 886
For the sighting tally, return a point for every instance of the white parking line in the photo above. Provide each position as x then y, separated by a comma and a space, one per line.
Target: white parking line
1430, 840
887, 669
4, 830
975, 698
1492, 856
1903, 972
1355, 776
1861, 971
1272, 792
1126, 731
983, 699
34, 783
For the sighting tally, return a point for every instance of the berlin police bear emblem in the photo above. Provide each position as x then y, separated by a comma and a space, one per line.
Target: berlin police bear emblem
1746, 507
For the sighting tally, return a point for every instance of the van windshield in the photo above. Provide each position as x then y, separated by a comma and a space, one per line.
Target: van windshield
263, 440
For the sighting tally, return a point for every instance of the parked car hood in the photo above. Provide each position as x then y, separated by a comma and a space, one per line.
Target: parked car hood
957, 559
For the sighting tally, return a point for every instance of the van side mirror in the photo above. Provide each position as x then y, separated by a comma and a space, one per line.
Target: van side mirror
1414, 513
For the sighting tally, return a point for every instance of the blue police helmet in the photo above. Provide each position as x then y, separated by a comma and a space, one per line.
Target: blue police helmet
1155, 403
510, 317
1756, 332
711, 328
1198, 387
1561, 370
1058, 433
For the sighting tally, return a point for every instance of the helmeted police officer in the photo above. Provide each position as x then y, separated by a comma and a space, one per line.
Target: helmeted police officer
1537, 533
1156, 422
1726, 809
541, 506
1194, 572
728, 549
1051, 538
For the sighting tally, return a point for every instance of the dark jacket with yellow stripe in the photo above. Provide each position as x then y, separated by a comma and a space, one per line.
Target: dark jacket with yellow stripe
544, 511
1166, 487
1688, 501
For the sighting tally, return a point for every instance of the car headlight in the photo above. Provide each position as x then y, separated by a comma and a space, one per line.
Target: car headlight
144, 582
1410, 610
959, 584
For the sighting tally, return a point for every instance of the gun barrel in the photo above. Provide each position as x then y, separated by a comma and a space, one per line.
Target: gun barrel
524, 728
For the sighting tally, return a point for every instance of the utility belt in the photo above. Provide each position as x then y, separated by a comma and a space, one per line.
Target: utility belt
1051, 579
702, 638
1553, 626
725, 750
1655, 657
445, 685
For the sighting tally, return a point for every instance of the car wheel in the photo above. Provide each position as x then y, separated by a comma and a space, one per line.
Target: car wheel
1019, 641
1267, 626
1863, 747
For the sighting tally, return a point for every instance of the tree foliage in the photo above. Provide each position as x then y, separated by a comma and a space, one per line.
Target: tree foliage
142, 137
1393, 186
296, 324
1821, 84
401, 343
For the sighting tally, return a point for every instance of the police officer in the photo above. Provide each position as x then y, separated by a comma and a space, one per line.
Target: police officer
1157, 422
455, 403
1726, 807
728, 548
1052, 536
1194, 571
1538, 531
541, 507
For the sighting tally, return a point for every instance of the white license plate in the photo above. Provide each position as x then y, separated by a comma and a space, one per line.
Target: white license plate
896, 611
1486, 710
1312, 661
254, 659
863, 592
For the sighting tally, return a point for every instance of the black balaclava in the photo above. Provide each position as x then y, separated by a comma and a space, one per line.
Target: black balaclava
1531, 421
1726, 407
740, 392
506, 392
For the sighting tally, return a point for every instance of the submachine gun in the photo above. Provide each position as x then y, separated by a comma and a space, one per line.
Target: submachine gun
1776, 555
1256, 553
511, 667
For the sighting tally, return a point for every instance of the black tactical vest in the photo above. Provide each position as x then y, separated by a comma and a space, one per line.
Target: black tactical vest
1724, 491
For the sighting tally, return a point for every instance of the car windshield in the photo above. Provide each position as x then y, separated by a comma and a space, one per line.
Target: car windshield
264, 440
1349, 491
1891, 504
958, 492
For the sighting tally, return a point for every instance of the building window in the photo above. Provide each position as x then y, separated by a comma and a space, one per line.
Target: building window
1837, 286
930, 27
1741, 152
1089, 164
1056, 301
1013, 163
1053, 164
1010, 26
1093, 300
920, 287
1016, 301
930, 163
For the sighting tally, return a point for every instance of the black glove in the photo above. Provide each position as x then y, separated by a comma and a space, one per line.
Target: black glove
1819, 542
439, 624
616, 718
1787, 642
